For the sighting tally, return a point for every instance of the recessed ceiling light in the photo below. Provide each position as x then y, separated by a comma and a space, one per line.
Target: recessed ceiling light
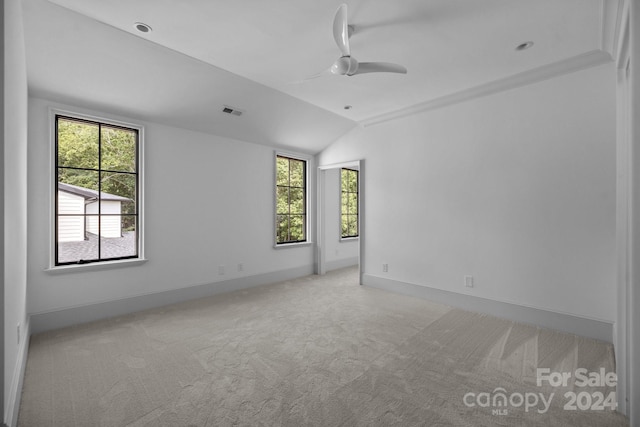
142, 27
524, 46
348, 107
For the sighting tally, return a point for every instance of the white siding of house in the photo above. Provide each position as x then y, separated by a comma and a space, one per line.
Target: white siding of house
70, 228
110, 225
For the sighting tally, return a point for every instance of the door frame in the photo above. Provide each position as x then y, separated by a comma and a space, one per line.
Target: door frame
321, 267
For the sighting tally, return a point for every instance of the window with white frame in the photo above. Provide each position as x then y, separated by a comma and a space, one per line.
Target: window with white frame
291, 200
97, 191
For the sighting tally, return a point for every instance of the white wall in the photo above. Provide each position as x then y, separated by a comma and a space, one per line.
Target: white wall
15, 204
623, 225
209, 201
634, 354
2, 224
516, 189
339, 253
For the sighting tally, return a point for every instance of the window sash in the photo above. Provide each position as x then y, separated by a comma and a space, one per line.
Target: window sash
99, 216
349, 203
291, 215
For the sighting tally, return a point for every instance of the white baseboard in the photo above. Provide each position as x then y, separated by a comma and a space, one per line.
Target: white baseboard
583, 326
45, 321
15, 393
341, 263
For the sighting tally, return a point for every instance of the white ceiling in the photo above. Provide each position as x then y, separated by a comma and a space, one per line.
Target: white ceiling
253, 54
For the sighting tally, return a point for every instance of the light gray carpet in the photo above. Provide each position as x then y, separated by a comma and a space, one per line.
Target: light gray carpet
315, 351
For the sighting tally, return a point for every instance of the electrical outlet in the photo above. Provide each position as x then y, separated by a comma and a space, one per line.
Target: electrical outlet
468, 281
240, 267
385, 268
221, 270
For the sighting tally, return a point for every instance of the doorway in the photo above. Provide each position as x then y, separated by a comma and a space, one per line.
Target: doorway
338, 245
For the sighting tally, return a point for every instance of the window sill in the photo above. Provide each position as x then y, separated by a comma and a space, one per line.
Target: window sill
292, 245
96, 266
349, 239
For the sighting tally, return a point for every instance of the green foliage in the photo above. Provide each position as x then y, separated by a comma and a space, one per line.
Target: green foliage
349, 225
90, 155
349, 180
282, 171
85, 160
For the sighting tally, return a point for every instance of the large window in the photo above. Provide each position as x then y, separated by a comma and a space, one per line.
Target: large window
291, 200
96, 191
349, 203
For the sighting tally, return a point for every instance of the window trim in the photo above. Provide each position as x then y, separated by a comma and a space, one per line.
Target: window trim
107, 263
307, 160
348, 238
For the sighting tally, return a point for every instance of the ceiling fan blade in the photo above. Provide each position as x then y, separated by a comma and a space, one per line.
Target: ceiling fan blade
313, 77
379, 67
341, 30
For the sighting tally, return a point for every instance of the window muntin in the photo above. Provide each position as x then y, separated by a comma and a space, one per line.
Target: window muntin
291, 200
96, 191
349, 203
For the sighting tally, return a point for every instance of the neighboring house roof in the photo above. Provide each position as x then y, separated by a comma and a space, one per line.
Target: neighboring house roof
89, 194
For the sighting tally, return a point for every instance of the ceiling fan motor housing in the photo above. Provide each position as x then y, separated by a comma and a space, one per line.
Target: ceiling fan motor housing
345, 65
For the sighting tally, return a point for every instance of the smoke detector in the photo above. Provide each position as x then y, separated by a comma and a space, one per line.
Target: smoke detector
231, 110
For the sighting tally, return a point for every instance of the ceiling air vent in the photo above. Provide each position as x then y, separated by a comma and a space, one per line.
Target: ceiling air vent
231, 110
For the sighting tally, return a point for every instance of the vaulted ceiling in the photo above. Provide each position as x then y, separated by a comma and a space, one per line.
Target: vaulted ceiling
258, 56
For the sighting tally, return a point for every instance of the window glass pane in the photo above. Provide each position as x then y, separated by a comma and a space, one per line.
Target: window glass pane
344, 179
353, 225
282, 228
353, 181
297, 227
129, 223
282, 200
282, 171
347, 180
345, 203
84, 179
119, 189
353, 203
118, 149
297, 201
77, 144
71, 228
74, 244
75, 190
297, 173
118, 236
345, 225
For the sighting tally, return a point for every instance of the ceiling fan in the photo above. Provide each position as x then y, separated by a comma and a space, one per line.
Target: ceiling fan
347, 65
